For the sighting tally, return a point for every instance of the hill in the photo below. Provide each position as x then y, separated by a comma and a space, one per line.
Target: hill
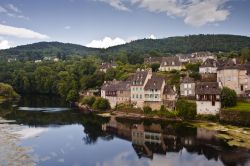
138, 48
49, 49
186, 44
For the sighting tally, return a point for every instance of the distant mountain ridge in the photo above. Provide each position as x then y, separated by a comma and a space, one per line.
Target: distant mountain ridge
171, 45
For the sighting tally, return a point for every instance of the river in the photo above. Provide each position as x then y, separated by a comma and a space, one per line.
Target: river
45, 131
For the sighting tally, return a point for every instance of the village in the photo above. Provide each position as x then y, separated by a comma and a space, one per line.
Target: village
146, 88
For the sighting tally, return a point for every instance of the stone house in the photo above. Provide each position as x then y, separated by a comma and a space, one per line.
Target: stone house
208, 98
138, 82
170, 96
234, 76
153, 92
152, 60
116, 92
187, 87
209, 66
105, 66
170, 63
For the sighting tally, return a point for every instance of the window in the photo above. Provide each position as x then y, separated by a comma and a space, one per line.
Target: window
140, 96
190, 92
189, 85
137, 96
133, 96
185, 85
241, 87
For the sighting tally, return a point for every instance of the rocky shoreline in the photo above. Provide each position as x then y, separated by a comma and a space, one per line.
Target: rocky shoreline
10, 152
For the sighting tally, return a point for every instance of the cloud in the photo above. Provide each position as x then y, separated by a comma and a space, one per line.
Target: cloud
2, 10
194, 12
20, 32
152, 36
4, 44
106, 42
12, 11
14, 8
31, 132
117, 4
67, 27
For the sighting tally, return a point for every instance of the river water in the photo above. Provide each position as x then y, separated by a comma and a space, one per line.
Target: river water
45, 131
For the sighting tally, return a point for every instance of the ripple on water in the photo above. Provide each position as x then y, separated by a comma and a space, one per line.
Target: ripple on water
43, 109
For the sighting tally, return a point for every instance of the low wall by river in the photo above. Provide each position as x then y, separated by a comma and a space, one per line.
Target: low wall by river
235, 117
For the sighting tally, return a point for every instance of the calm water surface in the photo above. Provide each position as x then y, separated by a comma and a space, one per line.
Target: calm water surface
44, 131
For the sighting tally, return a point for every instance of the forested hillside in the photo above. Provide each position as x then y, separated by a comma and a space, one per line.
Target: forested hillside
138, 48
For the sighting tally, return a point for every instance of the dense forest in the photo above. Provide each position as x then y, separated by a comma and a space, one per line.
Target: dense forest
138, 48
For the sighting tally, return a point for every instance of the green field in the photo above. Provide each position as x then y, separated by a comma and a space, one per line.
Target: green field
241, 106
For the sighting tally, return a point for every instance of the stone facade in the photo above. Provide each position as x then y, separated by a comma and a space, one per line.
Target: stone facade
170, 63
116, 92
208, 98
187, 87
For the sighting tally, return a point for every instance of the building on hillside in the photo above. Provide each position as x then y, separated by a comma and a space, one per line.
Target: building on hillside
105, 66
170, 63
152, 60
153, 92
116, 92
185, 58
234, 76
208, 98
138, 82
187, 87
170, 96
203, 56
208, 67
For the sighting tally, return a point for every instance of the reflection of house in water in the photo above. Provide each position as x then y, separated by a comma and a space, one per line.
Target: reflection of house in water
148, 140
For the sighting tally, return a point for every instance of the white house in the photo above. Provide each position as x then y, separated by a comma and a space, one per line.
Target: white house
208, 98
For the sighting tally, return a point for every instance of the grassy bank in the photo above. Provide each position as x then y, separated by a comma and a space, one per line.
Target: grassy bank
241, 106
237, 115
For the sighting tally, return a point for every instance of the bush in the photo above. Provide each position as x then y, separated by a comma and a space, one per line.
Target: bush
228, 97
72, 95
88, 100
155, 67
101, 104
7, 91
147, 110
185, 109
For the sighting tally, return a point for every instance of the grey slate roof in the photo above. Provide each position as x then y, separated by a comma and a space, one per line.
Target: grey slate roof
207, 88
139, 78
107, 65
169, 90
170, 61
187, 79
155, 83
209, 63
116, 86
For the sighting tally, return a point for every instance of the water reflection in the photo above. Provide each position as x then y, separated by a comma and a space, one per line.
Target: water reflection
70, 138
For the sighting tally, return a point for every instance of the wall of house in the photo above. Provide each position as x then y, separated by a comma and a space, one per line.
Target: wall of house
233, 79
155, 105
187, 89
206, 107
203, 70
112, 100
169, 68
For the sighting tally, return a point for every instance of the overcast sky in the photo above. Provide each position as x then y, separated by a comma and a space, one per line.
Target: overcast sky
103, 23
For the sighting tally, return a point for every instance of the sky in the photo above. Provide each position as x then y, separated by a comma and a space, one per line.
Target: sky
104, 23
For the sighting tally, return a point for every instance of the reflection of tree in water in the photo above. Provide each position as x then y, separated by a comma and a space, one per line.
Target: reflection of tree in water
93, 129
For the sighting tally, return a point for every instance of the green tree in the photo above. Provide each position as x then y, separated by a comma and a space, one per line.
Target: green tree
147, 109
228, 97
101, 104
155, 67
185, 109
89, 100
72, 95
